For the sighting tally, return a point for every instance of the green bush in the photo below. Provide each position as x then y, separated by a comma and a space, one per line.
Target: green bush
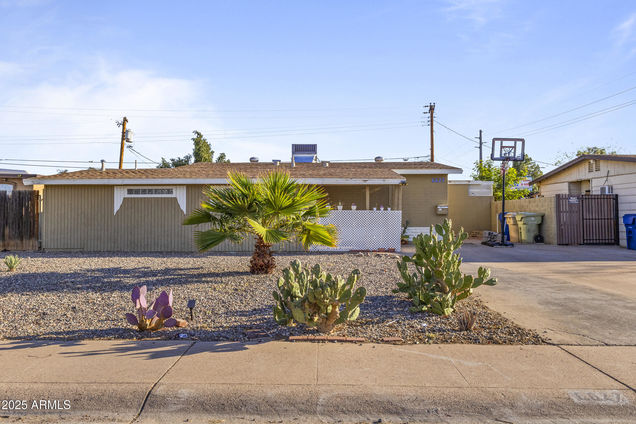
437, 283
12, 262
315, 298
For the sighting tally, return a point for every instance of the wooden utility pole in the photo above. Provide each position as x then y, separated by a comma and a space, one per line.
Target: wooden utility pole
431, 112
123, 141
481, 143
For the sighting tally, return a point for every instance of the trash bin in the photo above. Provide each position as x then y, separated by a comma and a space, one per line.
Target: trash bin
630, 230
528, 225
513, 227
506, 230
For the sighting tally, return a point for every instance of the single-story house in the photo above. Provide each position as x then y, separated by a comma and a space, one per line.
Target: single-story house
595, 174
11, 179
142, 209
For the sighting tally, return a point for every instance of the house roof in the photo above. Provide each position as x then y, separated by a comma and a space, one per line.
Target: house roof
216, 173
578, 159
14, 173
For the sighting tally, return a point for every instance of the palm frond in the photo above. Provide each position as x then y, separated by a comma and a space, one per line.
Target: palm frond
198, 216
269, 235
313, 233
208, 239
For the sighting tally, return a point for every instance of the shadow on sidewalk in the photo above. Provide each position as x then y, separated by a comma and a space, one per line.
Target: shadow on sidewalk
144, 349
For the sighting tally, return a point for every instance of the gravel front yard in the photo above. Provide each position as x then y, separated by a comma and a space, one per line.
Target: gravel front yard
84, 296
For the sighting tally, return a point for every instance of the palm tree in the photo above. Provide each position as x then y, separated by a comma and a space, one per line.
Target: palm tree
274, 209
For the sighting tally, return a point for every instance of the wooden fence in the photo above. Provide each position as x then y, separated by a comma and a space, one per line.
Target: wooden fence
19, 212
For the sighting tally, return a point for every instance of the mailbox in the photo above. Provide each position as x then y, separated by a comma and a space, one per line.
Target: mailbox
441, 209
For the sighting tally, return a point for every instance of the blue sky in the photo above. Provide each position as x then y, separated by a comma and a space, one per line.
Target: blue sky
351, 76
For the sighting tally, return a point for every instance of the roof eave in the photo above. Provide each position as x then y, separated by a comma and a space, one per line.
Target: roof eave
208, 181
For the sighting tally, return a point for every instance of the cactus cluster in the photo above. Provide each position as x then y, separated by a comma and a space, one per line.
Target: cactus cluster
12, 262
437, 283
155, 317
315, 298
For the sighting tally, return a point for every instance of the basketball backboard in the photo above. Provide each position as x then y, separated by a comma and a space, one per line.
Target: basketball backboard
504, 149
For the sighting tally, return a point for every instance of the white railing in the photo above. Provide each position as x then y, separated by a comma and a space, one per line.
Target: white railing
364, 230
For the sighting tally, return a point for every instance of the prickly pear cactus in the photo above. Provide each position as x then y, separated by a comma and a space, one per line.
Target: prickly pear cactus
437, 282
158, 316
315, 298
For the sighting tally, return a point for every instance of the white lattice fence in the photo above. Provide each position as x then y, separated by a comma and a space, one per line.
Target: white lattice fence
365, 230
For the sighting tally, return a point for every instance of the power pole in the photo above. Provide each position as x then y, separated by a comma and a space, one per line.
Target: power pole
123, 141
481, 143
431, 112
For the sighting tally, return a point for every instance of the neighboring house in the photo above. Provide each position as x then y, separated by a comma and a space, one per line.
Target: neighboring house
595, 174
142, 209
11, 179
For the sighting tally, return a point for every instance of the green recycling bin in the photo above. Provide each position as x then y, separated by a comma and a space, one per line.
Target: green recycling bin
513, 227
528, 225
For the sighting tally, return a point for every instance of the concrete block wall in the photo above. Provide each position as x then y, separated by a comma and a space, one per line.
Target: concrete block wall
544, 205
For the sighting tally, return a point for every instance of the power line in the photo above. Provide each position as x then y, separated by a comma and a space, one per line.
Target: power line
145, 157
215, 132
457, 133
580, 118
570, 110
64, 161
404, 158
231, 137
208, 109
42, 165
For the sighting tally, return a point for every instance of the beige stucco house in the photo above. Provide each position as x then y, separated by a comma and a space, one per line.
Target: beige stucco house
12, 179
595, 174
142, 209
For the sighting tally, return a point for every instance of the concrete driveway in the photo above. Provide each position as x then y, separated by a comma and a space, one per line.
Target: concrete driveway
570, 294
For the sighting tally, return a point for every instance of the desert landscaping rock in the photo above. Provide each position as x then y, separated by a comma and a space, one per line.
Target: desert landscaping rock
70, 296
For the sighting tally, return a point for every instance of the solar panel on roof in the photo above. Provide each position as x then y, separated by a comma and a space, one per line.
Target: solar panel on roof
304, 159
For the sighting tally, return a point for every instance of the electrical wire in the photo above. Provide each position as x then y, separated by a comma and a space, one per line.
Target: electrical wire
213, 133
455, 132
208, 109
65, 161
404, 158
217, 138
580, 118
145, 157
569, 110
42, 165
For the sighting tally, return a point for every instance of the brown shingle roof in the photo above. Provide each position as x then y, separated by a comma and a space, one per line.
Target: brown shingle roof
354, 170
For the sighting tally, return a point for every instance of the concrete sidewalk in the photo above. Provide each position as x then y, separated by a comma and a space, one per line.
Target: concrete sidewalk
153, 382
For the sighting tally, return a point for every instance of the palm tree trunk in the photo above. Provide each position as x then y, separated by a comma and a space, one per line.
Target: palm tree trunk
262, 260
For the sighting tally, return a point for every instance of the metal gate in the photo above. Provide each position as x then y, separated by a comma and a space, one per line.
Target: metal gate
587, 219
19, 213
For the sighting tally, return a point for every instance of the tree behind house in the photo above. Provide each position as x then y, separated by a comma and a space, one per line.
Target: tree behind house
201, 152
589, 150
491, 171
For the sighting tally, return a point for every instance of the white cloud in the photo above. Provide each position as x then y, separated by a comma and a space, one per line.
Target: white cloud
623, 32
82, 107
479, 12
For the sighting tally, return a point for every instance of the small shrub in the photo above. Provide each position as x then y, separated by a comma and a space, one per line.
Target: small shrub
437, 283
466, 320
315, 298
12, 262
158, 316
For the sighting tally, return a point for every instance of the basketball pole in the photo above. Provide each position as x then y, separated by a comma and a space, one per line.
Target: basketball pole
503, 202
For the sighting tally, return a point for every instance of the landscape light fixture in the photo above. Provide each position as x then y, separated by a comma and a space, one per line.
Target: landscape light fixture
191, 305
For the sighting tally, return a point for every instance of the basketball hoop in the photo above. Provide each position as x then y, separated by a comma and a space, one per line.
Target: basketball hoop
505, 150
